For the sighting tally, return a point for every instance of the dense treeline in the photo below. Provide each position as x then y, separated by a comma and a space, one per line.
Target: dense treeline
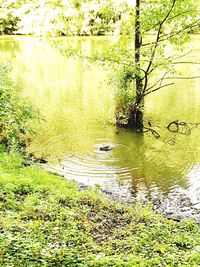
64, 17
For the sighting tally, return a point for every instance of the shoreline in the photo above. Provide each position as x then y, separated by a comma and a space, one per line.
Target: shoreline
169, 208
47, 221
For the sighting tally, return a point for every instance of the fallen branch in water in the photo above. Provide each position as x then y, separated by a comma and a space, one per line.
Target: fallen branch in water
181, 127
150, 129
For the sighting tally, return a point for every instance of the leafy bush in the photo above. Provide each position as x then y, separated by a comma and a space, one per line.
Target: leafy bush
8, 24
15, 113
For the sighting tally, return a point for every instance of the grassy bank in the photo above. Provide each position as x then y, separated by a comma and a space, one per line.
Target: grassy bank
45, 221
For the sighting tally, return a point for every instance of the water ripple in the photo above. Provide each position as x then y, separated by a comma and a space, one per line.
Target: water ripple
95, 167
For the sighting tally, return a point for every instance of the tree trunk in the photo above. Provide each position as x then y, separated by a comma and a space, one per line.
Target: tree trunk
136, 110
135, 119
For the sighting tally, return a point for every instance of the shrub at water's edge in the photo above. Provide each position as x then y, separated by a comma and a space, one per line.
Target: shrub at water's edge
15, 113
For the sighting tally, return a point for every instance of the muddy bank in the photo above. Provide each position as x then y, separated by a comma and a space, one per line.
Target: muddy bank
177, 205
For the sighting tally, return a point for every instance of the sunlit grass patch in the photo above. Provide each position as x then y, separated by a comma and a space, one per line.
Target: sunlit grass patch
46, 221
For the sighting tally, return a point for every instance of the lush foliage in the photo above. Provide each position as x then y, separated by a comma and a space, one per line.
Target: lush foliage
61, 17
15, 114
8, 23
146, 59
158, 27
46, 221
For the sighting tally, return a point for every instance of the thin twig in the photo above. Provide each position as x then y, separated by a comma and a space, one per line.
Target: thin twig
182, 78
186, 62
158, 88
167, 36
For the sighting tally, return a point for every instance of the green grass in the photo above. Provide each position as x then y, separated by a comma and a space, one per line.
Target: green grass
46, 221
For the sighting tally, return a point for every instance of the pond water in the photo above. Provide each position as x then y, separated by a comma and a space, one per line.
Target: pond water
78, 108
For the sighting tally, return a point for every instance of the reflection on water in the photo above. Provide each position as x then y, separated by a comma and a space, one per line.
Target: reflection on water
78, 108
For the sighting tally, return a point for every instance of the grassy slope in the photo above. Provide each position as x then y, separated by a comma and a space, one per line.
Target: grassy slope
45, 221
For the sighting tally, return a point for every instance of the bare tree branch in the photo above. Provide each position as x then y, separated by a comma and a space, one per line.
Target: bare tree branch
182, 78
170, 18
186, 62
157, 82
155, 45
183, 55
189, 26
158, 88
167, 36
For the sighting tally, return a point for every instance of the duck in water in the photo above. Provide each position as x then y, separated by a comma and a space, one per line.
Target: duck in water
105, 148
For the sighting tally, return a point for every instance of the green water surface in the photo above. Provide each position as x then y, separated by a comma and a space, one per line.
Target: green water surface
78, 108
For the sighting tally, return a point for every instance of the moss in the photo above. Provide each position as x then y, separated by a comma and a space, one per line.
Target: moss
46, 221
